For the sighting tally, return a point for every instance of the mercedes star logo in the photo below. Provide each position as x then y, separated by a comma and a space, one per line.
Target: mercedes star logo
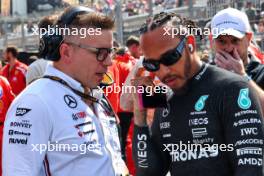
70, 101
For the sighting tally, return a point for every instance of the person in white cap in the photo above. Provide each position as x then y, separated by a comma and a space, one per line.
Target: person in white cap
232, 37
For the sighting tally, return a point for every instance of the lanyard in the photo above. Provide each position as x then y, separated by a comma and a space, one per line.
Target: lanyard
104, 103
61, 81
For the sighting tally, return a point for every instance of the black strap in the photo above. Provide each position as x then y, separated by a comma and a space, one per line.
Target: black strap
61, 81
103, 102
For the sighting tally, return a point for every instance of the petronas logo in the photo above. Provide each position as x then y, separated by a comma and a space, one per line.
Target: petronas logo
199, 105
244, 101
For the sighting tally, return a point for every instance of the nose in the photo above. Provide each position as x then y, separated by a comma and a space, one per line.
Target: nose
164, 70
108, 61
229, 47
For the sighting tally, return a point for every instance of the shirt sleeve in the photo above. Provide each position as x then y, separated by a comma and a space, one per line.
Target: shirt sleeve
32, 73
148, 152
244, 129
10, 94
27, 131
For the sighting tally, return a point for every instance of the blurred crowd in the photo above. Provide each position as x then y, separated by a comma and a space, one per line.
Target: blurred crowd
137, 7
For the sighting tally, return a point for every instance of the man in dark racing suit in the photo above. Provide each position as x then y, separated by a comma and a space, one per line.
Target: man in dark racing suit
212, 126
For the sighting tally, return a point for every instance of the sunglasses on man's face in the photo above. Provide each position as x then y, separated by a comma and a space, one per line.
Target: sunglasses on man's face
167, 59
101, 53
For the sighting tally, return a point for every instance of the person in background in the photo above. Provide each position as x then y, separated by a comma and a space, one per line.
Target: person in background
233, 48
133, 46
15, 71
251, 13
6, 98
38, 68
124, 62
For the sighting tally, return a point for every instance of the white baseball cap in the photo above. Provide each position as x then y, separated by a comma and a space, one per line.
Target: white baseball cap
230, 21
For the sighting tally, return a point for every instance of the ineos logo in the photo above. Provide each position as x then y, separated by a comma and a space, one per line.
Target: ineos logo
70, 101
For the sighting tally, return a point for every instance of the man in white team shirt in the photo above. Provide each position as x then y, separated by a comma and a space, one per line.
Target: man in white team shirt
51, 122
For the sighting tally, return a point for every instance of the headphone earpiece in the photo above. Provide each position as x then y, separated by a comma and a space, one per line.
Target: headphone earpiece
190, 47
49, 45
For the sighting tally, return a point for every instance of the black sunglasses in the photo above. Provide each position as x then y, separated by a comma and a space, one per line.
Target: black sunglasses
101, 53
167, 59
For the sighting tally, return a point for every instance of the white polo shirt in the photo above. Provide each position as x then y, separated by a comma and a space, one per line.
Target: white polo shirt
49, 130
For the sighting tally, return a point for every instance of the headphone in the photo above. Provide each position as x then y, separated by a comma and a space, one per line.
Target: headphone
190, 47
50, 43
191, 41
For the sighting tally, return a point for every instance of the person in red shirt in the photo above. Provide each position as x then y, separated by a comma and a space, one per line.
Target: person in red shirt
125, 63
6, 98
14, 71
111, 94
133, 46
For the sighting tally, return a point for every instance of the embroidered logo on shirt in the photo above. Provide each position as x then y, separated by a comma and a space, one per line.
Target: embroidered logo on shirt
70, 101
22, 111
199, 105
244, 101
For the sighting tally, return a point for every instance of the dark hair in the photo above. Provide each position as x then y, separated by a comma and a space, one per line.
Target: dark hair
116, 44
121, 51
132, 40
47, 21
13, 50
162, 18
261, 21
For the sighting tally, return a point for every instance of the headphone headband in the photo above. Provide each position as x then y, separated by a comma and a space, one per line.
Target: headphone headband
68, 17
50, 44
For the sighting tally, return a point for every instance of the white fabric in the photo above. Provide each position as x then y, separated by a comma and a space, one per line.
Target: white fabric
50, 119
36, 70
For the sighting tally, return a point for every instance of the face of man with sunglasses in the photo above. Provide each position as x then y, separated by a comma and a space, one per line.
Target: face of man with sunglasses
86, 59
172, 58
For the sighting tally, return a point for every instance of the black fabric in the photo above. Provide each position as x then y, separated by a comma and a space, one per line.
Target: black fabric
219, 109
125, 121
256, 71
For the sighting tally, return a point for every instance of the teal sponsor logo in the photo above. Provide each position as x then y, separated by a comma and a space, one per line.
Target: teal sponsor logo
199, 105
244, 101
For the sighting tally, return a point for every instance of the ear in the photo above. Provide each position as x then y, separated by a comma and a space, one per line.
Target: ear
65, 53
191, 43
249, 37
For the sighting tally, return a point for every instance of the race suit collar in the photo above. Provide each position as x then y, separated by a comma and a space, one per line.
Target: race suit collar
199, 75
190, 85
52, 71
